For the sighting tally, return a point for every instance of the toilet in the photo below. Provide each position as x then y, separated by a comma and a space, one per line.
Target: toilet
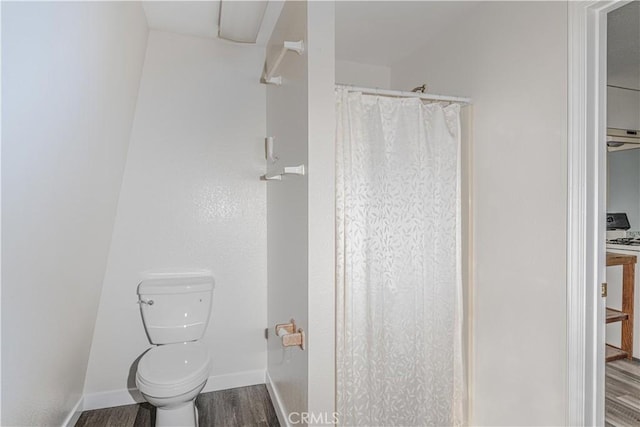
175, 311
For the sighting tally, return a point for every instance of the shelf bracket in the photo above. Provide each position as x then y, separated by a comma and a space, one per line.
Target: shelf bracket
269, 76
287, 170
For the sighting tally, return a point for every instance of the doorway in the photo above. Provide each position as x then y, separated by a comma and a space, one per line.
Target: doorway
622, 385
587, 211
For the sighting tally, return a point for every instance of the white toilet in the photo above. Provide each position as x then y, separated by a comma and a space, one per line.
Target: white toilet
175, 311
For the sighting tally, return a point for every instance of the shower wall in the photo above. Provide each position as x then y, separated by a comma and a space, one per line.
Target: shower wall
70, 77
517, 77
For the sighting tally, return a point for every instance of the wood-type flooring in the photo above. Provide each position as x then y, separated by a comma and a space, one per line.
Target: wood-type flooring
622, 393
244, 406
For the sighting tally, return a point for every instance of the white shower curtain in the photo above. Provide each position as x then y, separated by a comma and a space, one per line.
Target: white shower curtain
399, 303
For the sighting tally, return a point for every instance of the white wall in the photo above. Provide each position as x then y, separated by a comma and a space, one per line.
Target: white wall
623, 183
366, 75
70, 76
287, 212
300, 219
191, 198
511, 58
322, 160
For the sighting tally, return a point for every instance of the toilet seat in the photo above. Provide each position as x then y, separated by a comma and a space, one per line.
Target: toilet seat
173, 369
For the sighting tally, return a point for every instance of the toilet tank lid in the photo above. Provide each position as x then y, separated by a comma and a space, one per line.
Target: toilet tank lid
176, 284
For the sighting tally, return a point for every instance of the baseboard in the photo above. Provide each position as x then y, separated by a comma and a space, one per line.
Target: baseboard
277, 402
239, 379
108, 399
74, 414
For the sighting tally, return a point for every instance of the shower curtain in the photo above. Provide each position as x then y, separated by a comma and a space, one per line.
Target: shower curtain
399, 288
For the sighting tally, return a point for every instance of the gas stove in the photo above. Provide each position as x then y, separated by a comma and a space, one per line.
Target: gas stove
618, 234
629, 246
629, 241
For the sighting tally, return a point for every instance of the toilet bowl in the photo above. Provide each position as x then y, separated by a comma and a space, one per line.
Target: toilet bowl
170, 377
175, 311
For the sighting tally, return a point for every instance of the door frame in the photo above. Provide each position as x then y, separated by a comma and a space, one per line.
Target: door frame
586, 209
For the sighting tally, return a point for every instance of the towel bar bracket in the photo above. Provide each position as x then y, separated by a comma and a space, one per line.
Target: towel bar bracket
287, 170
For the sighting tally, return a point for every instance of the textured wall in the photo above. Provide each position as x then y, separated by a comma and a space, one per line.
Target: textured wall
70, 76
191, 198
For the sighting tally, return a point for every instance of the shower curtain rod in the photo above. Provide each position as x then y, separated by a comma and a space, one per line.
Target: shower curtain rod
406, 94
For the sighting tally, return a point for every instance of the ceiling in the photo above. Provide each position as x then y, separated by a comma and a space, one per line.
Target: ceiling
200, 18
623, 46
193, 18
372, 32
383, 32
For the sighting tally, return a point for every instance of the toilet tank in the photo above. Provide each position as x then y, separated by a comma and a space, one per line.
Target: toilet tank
175, 308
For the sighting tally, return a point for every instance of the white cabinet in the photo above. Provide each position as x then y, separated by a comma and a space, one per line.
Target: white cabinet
623, 108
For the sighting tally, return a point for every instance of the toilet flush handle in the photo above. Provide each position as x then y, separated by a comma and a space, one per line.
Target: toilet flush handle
148, 302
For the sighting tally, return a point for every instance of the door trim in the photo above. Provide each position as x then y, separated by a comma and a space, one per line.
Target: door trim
586, 209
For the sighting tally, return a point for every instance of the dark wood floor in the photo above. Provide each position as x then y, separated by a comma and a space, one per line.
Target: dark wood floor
244, 406
622, 393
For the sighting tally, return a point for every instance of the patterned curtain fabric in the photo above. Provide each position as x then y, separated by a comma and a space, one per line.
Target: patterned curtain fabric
399, 303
